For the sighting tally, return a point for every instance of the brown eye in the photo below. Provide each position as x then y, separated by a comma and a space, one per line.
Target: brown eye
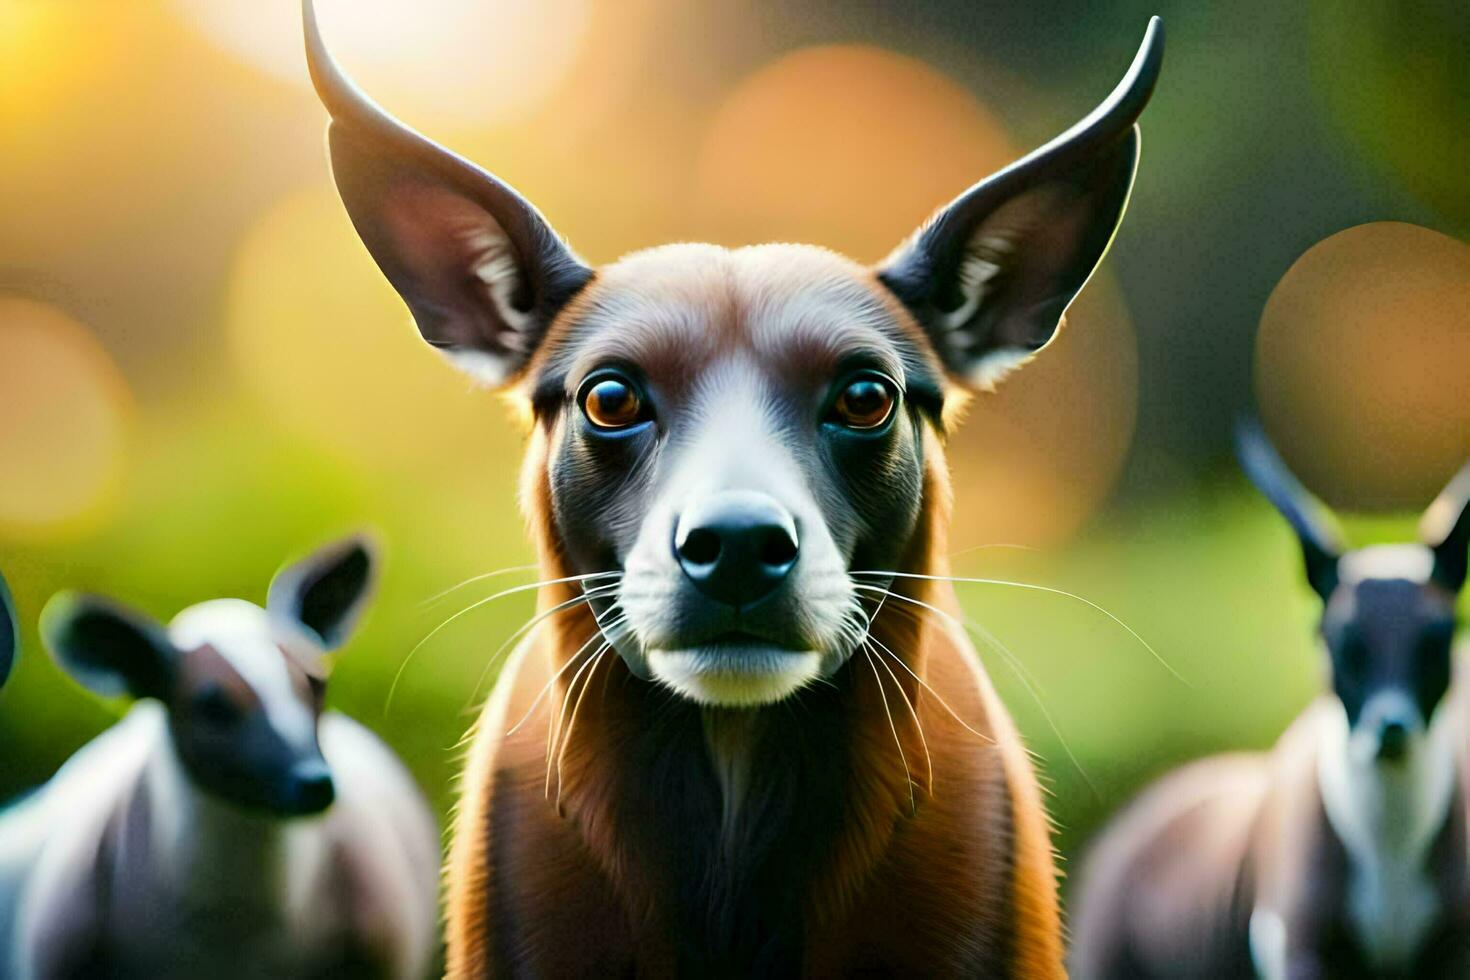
866, 403
612, 403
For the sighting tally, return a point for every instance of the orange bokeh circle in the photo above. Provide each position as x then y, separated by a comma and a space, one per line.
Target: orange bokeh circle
65, 417
1363, 361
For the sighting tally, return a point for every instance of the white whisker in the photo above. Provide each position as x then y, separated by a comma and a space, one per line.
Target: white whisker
908, 777
918, 725
585, 597
1028, 682
1017, 667
555, 732
1029, 586
473, 579
566, 739
937, 696
597, 634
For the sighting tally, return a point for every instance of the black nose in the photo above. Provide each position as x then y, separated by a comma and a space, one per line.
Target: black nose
311, 789
736, 546
1393, 740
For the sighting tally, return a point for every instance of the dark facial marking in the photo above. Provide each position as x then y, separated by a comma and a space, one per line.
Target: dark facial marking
225, 739
1384, 634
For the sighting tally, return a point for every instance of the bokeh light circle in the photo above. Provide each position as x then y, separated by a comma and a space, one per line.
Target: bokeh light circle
852, 147
846, 146
328, 346
65, 415
1035, 459
1363, 365
448, 63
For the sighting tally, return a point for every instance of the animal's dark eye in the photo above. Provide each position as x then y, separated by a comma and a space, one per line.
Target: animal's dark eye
865, 402
212, 705
612, 402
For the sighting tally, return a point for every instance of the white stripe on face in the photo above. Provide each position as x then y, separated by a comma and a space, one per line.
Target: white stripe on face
241, 632
1413, 562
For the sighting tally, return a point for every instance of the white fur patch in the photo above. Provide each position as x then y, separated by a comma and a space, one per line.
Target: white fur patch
995, 367
1413, 562
496, 267
491, 370
1387, 817
735, 677
980, 265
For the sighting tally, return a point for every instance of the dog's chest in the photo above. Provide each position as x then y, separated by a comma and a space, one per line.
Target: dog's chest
1391, 905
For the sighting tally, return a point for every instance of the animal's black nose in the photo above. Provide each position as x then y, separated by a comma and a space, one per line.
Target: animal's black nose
311, 789
1393, 740
736, 546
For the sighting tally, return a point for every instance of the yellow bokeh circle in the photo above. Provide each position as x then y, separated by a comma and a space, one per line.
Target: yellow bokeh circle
1363, 364
65, 416
325, 343
847, 146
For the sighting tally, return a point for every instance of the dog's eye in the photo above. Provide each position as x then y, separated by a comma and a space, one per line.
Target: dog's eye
865, 403
611, 402
213, 706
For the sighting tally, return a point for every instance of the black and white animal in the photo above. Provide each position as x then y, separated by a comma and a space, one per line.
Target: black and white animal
9, 633
1343, 852
227, 826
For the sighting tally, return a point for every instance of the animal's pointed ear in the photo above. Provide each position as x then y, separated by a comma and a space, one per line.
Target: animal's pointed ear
315, 603
107, 648
1313, 523
991, 275
479, 267
9, 632
1445, 527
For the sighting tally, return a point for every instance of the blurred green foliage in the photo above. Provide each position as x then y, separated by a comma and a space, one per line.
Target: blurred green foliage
137, 160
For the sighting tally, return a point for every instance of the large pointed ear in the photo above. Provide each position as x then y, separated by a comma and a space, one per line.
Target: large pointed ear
107, 648
315, 603
990, 276
479, 267
1313, 523
9, 632
1445, 527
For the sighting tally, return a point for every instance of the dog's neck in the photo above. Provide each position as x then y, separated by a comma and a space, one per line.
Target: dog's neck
1389, 818
207, 850
739, 821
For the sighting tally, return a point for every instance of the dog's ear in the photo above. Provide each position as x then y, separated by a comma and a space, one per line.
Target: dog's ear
479, 267
107, 648
9, 632
1315, 528
315, 603
1445, 527
990, 276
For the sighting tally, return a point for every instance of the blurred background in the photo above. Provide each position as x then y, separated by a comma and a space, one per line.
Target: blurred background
202, 373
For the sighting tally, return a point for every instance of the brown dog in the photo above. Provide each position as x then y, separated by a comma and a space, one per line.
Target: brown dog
747, 748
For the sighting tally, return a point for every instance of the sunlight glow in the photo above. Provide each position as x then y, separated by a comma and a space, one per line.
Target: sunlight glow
449, 63
322, 339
